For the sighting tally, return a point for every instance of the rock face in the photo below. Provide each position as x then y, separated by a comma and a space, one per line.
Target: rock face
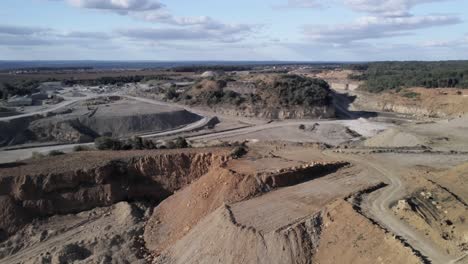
153, 177
414, 109
437, 102
279, 113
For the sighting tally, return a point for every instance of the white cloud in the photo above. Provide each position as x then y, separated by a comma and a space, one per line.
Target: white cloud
189, 28
203, 32
374, 27
302, 4
121, 6
459, 42
20, 30
386, 7
36, 36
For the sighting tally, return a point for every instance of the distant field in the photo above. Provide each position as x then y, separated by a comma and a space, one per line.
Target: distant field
59, 76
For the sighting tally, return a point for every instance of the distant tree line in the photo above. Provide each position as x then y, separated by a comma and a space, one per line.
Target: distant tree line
203, 68
48, 69
380, 76
114, 80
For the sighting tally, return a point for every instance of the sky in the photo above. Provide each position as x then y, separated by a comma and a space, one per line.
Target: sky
264, 30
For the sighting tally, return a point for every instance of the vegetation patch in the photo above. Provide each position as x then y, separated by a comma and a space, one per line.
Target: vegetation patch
381, 76
138, 143
411, 95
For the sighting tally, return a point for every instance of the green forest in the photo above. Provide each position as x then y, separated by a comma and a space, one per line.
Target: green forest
381, 76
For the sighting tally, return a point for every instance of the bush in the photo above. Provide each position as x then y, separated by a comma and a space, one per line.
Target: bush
139, 144
238, 152
412, 95
171, 93
81, 148
107, 143
56, 153
169, 145
180, 142
302, 127
37, 155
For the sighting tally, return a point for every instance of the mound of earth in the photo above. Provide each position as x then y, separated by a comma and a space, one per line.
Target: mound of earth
274, 97
395, 138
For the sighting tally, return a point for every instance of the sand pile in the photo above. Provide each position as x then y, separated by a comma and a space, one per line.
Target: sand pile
395, 138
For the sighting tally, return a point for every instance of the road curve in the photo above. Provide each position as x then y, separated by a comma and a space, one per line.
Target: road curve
379, 209
56, 107
21, 154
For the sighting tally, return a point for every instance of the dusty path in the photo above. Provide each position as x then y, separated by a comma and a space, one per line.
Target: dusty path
363, 128
56, 107
378, 208
68, 101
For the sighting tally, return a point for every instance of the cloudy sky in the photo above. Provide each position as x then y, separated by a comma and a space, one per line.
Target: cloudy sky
308, 30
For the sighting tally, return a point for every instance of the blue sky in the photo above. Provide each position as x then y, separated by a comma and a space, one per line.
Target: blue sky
308, 30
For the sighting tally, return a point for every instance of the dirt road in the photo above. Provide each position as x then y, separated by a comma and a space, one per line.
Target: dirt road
378, 209
68, 101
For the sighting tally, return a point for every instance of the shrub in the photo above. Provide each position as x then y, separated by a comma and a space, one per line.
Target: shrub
37, 155
411, 95
56, 153
107, 143
238, 152
302, 127
135, 143
171, 93
169, 145
180, 142
81, 148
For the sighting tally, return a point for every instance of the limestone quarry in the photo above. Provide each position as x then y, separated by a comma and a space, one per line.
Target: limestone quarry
243, 167
84, 121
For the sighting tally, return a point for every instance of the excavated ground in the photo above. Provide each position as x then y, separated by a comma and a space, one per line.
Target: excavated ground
86, 180
438, 208
281, 203
84, 121
272, 207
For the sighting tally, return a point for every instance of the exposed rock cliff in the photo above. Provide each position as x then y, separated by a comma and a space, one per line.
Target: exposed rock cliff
27, 193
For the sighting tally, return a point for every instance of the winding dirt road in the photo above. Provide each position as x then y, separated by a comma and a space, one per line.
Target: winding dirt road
378, 208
